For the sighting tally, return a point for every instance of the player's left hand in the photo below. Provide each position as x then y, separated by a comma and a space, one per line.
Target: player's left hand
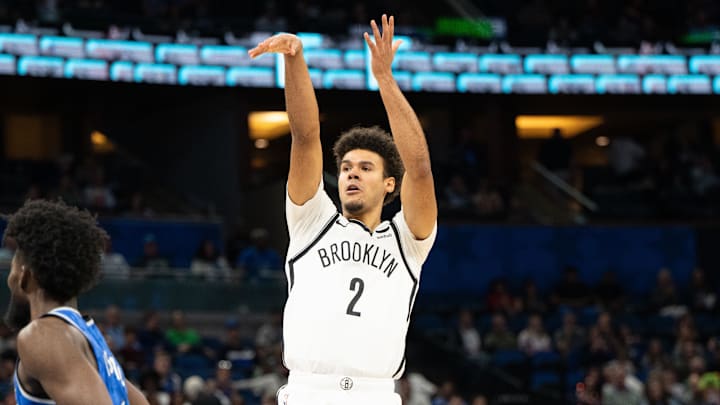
383, 48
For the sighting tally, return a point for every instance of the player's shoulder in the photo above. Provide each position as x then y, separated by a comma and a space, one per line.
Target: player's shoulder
43, 334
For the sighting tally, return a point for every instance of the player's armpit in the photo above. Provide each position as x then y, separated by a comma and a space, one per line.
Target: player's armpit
134, 395
49, 355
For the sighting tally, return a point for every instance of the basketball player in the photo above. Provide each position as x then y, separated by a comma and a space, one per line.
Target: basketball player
62, 356
352, 278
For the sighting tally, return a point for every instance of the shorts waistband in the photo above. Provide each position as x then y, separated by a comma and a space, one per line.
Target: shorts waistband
327, 382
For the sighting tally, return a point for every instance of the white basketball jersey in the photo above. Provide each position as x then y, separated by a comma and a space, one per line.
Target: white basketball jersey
351, 291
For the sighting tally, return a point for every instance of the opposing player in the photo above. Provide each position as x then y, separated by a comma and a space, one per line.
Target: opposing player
352, 278
63, 357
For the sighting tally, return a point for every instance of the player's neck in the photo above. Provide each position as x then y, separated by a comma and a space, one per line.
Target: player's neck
41, 305
370, 219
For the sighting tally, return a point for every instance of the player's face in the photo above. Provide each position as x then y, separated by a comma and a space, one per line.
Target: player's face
362, 183
18, 311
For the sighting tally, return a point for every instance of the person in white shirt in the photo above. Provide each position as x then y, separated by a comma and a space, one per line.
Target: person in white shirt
352, 278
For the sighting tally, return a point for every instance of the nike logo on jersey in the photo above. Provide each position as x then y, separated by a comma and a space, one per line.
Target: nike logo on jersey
366, 253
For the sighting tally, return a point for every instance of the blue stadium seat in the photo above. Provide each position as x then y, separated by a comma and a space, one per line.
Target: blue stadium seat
544, 379
505, 358
546, 360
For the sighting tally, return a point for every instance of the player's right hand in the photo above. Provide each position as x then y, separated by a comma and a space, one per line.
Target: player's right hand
287, 44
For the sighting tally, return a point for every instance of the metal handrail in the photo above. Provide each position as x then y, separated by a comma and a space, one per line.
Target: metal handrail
571, 191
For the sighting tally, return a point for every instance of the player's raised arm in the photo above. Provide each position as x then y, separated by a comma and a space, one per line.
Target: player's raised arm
48, 355
302, 108
418, 190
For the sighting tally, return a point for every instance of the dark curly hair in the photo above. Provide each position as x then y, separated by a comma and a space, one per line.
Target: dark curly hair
377, 140
62, 245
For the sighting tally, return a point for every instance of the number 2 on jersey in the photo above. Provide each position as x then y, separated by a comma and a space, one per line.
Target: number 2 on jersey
359, 285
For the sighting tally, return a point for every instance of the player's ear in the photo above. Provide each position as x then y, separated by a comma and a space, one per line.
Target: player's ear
25, 277
389, 184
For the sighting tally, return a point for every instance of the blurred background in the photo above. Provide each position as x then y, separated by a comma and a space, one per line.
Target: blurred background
574, 146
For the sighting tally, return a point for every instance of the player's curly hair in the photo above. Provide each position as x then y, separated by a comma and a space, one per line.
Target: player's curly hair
377, 140
62, 245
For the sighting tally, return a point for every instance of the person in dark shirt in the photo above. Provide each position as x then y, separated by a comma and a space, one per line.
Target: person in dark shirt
571, 291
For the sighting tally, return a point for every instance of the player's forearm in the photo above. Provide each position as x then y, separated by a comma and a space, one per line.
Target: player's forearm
300, 99
406, 129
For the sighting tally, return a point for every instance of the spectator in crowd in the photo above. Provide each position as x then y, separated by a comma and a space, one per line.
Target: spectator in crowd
570, 336
270, 332
151, 260
625, 157
132, 354
467, 335
532, 301
113, 328
98, 196
610, 293
259, 260
223, 381
616, 391
701, 295
233, 347
181, 337
415, 389
664, 298
151, 336
479, 400
499, 337
167, 381
457, 198
445, 393
655, 357
150, 387
533, 339
68, 191
487, 200
499, 299
114, 264
196, 394
138, 206
571, 291
209, 263
655, 394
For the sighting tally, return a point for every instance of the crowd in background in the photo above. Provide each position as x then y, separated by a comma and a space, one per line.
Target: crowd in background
529, 22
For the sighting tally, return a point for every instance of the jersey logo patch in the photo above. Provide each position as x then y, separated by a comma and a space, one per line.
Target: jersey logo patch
346, 383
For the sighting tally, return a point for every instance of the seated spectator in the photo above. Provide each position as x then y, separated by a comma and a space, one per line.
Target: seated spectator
181, 337
532, 302
269, 334
656, 395
533, 339
132, 354
445, 393
487, 200
209, 263
456, 198
479, 400
98, 195
138, 207
701, 295
655, 357
68, 191
664, 296
571, 291
196, 393
609, 293
152, 260
114, 264
616, 390
168, 381
113, 327
233, 347
570, 336
259, 260
500, 337
468, 335
499, 299
151, 336
150, 387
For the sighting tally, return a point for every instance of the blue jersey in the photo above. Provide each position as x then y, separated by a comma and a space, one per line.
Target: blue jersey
108, 368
